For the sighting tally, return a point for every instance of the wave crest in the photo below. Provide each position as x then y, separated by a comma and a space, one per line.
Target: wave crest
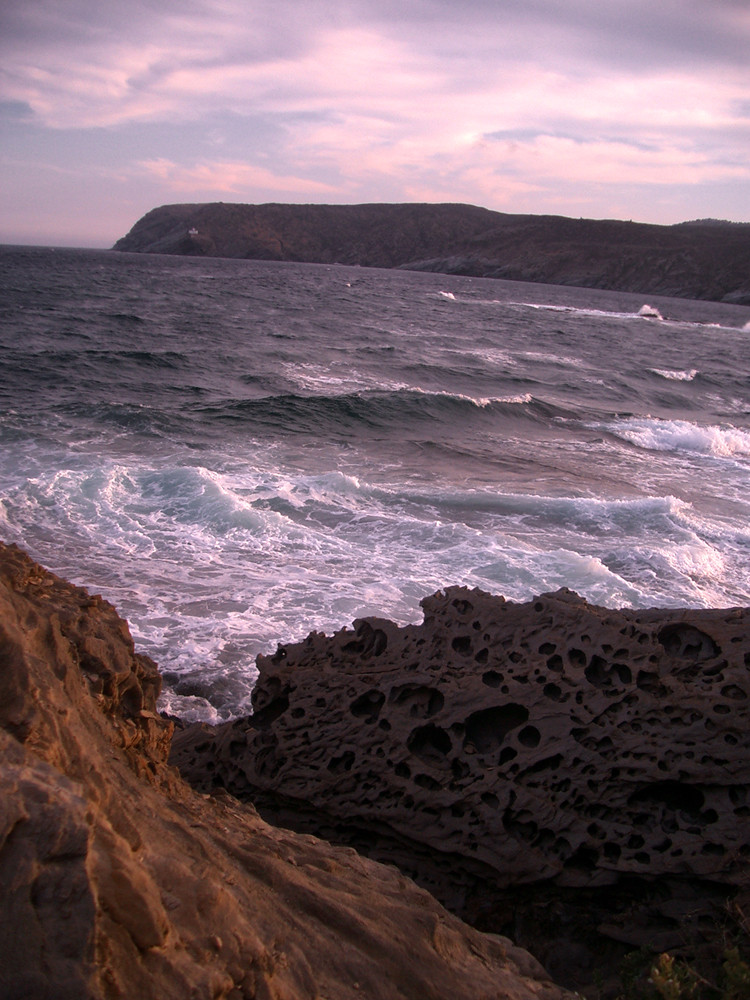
682, 435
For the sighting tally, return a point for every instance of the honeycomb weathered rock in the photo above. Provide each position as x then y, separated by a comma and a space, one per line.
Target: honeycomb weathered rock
550, 742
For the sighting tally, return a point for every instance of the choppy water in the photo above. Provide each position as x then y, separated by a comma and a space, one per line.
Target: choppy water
236, 453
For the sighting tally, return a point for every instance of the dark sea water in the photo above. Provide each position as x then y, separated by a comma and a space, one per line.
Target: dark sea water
238, 452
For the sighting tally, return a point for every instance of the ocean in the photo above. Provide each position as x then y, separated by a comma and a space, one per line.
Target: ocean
236, 453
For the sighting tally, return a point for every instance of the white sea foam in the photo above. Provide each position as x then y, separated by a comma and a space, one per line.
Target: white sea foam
521, 399
682, 435
481, 401
213, 566
649, 312
547, 357
494, 356
645, 310
218, 534
337, 380
676, 375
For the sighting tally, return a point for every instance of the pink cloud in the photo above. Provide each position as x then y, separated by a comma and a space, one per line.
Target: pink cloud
229, 178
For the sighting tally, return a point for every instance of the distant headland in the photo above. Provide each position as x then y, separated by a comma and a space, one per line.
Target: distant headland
703, 259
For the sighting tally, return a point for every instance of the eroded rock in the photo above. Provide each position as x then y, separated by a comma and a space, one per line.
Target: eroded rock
118, 880
552, 744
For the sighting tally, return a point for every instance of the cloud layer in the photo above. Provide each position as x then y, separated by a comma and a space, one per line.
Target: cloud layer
581, 107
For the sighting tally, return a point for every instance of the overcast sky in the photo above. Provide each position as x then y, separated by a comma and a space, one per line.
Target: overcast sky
634, 109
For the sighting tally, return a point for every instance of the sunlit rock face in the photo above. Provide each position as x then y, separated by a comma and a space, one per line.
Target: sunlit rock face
552, 743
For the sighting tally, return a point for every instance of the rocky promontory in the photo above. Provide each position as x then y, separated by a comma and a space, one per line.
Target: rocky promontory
117, 880
706, 259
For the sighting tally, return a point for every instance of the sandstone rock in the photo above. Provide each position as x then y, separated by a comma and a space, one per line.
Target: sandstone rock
566, 751
118, 880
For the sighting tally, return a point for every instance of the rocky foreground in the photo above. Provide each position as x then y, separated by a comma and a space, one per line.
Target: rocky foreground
576, 775
699, 260
117, 880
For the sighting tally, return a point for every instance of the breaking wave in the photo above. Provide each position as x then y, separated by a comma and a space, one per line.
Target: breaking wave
682, 435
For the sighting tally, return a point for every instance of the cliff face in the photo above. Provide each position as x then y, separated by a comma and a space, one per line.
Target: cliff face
118, 881
698, 260
577, 775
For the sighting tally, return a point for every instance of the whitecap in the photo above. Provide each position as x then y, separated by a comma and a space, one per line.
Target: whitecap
682, 435
650, 312
675, 375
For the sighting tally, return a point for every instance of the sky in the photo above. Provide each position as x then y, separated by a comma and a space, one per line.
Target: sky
630, 109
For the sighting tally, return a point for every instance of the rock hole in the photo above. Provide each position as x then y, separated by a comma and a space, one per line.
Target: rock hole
272, 710
623, 672
131, 700
462, 644
419, 700
425, 781
369, 641
673, 794
342, 763
687, 642
547, 764
529, 737
368, 705
463, 607
583, 859
648, 681
460, 769
430, 743
520, 826
487, 728
734, 692
597, 673
492, 678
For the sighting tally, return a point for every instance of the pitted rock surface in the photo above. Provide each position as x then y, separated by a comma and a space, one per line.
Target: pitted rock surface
118, 880
550, 742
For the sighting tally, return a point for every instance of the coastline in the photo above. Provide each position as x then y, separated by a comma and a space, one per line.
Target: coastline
140, 884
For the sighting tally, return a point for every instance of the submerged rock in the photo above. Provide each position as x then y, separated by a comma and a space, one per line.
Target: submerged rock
119, 880
516, 757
